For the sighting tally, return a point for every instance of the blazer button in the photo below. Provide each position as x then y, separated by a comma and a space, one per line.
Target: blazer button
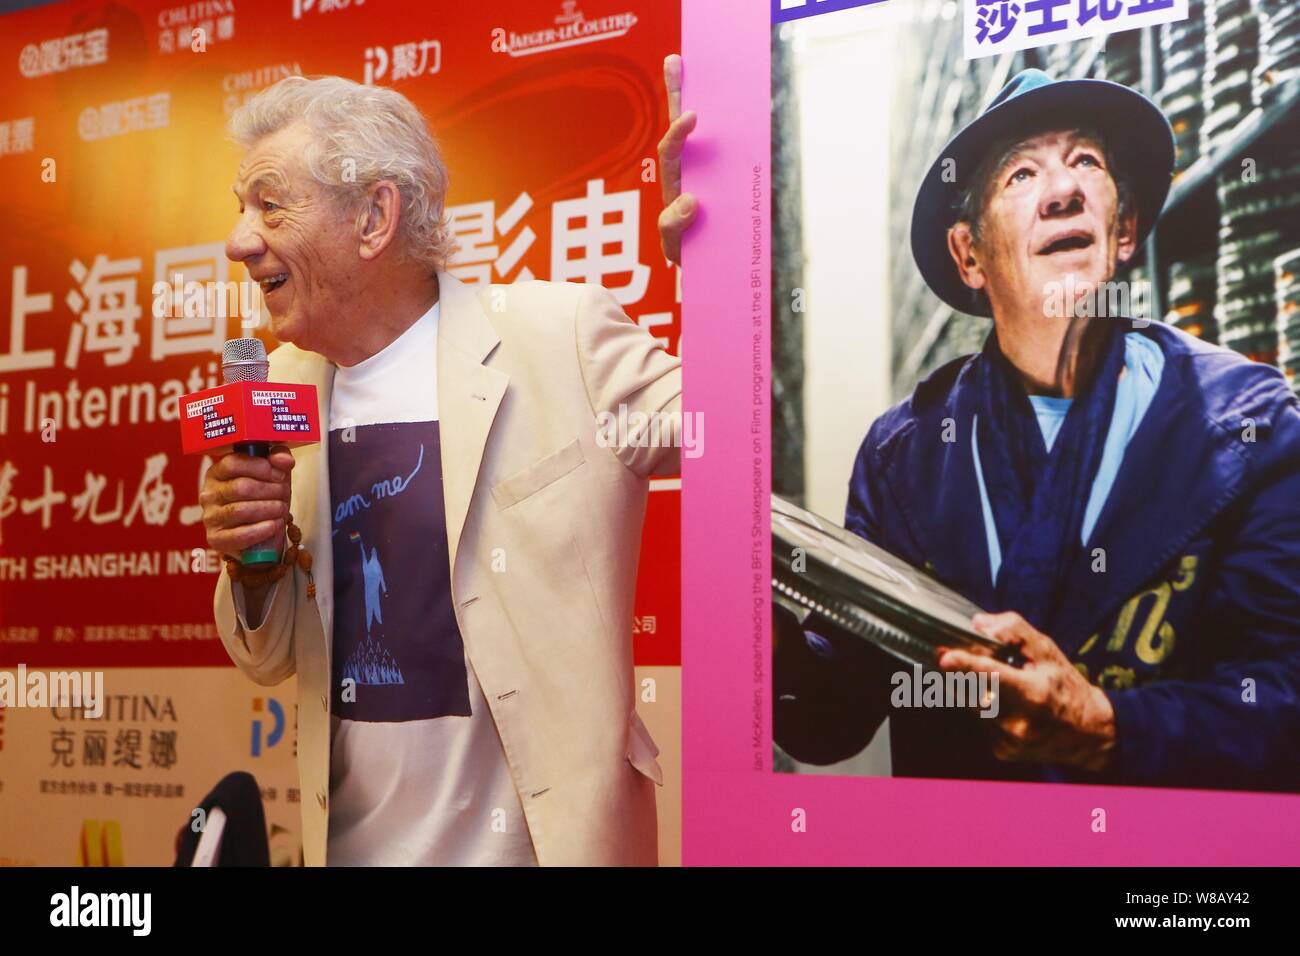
320, 798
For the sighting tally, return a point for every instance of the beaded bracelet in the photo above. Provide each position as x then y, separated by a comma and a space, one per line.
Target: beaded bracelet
296, 553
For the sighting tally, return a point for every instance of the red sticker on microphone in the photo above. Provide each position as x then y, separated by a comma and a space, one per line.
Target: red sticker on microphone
214, 420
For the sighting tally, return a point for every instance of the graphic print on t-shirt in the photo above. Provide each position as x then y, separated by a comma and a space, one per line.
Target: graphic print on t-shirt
396, 642
371, 663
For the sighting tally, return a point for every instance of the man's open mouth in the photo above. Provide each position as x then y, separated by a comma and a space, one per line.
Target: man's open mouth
1067, 242
271, 283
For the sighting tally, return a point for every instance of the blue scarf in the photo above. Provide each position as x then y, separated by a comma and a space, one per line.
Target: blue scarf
1039, 498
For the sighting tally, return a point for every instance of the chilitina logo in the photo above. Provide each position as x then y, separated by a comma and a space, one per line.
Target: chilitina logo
261, 707
571, 29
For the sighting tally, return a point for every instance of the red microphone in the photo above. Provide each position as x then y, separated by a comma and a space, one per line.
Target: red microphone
248, 415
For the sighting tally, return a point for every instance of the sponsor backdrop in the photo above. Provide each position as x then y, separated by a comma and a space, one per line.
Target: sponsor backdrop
116, 178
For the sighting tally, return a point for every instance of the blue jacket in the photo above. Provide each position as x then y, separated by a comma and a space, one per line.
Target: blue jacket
1192, 629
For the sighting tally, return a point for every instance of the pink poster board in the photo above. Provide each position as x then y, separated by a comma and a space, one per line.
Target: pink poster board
736, 811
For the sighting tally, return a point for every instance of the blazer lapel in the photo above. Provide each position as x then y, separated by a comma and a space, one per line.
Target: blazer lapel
311, 507
469, 394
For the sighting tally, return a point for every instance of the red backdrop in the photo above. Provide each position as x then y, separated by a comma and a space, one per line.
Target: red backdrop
525, 131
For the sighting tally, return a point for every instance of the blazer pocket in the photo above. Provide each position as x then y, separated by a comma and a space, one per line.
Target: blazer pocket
538, 475
641, 750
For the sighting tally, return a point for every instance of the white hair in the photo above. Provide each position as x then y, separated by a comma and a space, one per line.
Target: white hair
360, 136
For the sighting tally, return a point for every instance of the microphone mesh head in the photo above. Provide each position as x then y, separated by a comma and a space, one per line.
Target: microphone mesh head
243, 360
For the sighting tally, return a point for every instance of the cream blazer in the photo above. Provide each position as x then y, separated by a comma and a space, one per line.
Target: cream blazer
523, 371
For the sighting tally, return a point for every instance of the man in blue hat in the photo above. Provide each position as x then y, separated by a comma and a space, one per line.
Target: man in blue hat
1125, 496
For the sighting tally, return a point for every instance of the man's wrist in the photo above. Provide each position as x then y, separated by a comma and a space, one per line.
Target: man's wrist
1102, 729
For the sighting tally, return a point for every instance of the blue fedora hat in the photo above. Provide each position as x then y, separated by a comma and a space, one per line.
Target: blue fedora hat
1033, 101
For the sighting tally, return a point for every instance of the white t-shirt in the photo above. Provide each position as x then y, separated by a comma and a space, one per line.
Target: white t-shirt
417, 772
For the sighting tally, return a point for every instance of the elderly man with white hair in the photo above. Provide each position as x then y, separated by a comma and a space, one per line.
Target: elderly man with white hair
462, 651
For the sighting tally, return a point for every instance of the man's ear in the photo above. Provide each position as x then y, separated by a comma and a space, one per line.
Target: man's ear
380, 215
961, 245
1127, 237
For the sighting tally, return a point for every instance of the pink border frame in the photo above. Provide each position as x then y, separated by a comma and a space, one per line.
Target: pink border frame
734, 809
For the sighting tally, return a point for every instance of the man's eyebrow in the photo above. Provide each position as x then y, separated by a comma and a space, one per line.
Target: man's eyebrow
1012, 155
1021, 150
267, 179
